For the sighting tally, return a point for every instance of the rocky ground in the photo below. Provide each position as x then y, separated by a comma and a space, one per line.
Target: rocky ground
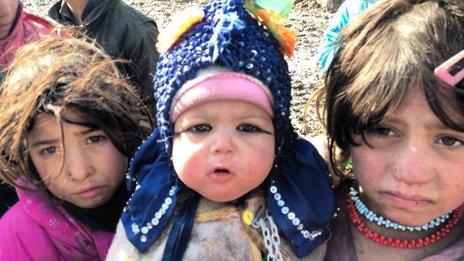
308, 20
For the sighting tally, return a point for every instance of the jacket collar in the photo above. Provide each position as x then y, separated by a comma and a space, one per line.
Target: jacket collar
94, 9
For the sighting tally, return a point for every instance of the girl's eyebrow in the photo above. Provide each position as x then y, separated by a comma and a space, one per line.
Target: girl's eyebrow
87, 130
430, 124
44, 142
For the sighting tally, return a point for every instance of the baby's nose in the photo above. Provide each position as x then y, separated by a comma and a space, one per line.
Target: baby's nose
223, 143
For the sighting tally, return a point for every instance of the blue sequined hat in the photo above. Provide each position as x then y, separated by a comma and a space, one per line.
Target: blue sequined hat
299, 194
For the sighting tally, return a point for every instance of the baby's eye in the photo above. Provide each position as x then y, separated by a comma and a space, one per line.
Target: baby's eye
95, 139
200, 128
449, 141
249, 128
48, 151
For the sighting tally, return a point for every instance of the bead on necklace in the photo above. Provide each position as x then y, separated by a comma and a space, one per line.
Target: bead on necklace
399, 243
381, 221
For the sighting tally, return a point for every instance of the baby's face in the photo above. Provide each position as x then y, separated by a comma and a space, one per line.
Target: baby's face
223, 149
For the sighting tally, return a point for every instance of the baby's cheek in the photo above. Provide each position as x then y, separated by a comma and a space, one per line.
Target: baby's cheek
260, 164
185, 154
266, 156
185, 164
178, 157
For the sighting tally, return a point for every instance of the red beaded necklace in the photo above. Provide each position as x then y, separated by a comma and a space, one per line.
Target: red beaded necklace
399, 243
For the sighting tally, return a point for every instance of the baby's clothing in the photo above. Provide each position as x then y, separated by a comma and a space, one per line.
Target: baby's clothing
219, 233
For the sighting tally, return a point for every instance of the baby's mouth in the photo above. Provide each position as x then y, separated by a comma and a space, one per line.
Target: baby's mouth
221, 175
221, 171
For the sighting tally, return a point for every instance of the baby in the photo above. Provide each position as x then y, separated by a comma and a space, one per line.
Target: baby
224, 175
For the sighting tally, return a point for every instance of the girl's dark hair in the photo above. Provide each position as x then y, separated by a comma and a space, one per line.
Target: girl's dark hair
60, 74
385, 52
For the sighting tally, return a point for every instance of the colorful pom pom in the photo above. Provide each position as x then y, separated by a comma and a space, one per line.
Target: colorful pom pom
283, 35
180, 24
273, 14
282, 7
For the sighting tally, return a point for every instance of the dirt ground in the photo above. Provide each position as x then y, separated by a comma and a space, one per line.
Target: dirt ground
308, 20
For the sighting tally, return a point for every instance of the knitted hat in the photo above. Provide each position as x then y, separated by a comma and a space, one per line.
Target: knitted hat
215, 83
226, 34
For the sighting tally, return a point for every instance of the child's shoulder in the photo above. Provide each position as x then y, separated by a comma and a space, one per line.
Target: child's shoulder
14, 220
21, 235
14, 225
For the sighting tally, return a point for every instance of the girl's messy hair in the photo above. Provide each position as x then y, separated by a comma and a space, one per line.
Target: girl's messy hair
58, 74
388, 50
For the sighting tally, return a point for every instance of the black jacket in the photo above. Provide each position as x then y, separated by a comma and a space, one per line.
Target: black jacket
123, 32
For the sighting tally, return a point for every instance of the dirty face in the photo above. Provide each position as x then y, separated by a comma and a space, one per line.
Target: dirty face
223, 149
77, 164
413, 170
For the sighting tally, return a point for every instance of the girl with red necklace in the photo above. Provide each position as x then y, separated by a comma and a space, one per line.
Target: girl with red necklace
393, 107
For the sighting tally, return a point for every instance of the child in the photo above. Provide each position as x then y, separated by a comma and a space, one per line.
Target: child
68, 125
402, 126
16, 29
122, 31
224, 176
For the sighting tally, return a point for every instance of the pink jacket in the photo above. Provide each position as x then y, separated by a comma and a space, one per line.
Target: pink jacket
27, 28
35, 228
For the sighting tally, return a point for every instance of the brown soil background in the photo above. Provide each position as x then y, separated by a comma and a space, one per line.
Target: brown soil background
308, 20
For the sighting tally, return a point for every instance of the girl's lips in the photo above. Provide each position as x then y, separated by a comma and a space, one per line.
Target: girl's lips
89, 192
405, 201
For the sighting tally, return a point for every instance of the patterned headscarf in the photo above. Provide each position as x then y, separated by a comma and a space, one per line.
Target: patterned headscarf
299, 195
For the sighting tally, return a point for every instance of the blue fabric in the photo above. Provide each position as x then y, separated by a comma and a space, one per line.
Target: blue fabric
229, 37
331, 42
153, 172
177, 242
303, 179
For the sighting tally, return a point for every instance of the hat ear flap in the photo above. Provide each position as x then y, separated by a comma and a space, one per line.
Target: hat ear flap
300, 197
151, 205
